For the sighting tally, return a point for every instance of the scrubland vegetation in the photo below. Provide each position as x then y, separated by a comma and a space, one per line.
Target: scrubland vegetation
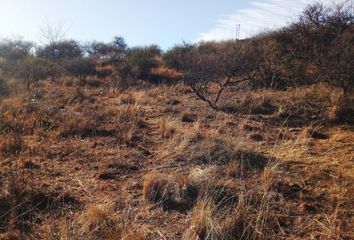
241, 139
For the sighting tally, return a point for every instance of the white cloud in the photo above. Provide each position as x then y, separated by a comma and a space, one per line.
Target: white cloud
261, 15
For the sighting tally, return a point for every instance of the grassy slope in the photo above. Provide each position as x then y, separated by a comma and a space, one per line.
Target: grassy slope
92, 185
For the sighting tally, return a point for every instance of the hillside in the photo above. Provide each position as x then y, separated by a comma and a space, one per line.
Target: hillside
221, 140
157, 163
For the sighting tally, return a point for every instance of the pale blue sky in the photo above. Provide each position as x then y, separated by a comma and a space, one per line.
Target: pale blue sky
142, 22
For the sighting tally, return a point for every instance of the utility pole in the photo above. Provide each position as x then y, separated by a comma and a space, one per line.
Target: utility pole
237, 34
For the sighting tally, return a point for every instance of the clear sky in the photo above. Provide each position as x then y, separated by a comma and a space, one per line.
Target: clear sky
141, 22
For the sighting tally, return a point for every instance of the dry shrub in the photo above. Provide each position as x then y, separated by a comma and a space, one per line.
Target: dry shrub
234, 170
5, 211
212, 151
100, 221
11, 145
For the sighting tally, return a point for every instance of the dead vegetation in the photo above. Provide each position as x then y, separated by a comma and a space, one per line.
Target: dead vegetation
124, 149
93, 166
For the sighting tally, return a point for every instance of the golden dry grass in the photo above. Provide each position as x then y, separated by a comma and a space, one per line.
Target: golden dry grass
205, 176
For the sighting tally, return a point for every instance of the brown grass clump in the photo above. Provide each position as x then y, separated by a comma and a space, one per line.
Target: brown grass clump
21, 202
252, 214
172, 192
216, 151
11, 119
205, 225
319, 102
100, 221
158, 188
141, 233
188, 117
128, 124
166, 128
128, 99
76, 125
251, 103
166, 73
10, 236
11, 145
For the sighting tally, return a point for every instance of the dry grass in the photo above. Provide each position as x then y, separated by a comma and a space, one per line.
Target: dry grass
248, 210
204, 224
211, 180
128, 124
101, 221
167, 128
188, 117
11, 145
75, 124
158, 188
127, 99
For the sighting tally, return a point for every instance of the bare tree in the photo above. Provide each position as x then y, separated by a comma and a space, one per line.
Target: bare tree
50, 35
209, 68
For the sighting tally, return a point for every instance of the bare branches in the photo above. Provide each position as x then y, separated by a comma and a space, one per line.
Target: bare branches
51, 34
